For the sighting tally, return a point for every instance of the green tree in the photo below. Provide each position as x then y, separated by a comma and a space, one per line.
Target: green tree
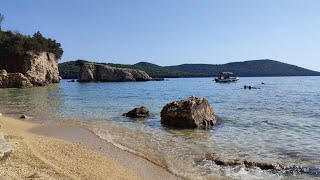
1, 20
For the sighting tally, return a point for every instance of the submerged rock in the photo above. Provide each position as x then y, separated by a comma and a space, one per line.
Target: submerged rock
190, 113
219, 160
157, 79
137, 112
5, 147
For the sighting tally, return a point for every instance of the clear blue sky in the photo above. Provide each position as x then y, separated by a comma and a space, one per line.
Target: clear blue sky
169, 32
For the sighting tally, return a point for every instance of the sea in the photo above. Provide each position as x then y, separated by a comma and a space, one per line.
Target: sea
277, 122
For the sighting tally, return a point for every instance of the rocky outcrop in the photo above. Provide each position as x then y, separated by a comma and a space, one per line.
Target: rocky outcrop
5, 147
190, 113
90, 72
40, 69
13, 80
137, 112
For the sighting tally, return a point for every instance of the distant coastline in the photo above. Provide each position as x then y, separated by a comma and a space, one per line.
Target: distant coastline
253, 68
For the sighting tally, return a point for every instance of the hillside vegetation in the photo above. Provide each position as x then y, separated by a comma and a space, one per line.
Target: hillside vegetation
15, 44
244, 69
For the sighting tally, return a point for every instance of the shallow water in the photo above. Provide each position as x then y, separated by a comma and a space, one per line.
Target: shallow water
277, 123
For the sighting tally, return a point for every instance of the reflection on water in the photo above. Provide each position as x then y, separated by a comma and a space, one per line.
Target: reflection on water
279, 122
43, 102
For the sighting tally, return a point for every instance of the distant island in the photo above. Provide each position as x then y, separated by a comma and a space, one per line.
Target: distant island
253, 68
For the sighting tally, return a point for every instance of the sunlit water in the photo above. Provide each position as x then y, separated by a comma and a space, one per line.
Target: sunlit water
279, 122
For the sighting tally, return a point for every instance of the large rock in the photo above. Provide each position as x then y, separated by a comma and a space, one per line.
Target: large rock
5, 147
190, 113
101, 72
40, 69
13, 80
137, 112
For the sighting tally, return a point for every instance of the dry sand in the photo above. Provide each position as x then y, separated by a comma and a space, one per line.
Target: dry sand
58, 152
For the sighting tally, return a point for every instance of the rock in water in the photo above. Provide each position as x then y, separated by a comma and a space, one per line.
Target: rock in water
190, 113
221, 161
5, 147
137, 112
91, 72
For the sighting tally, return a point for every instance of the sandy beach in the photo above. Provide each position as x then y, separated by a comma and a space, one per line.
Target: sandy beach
61, 152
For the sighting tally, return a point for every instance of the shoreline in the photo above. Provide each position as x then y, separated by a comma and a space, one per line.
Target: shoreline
58, 151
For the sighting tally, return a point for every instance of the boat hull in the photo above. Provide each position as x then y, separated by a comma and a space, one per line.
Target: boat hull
218, 80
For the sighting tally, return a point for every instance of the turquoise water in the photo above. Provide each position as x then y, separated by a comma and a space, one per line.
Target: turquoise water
278, 122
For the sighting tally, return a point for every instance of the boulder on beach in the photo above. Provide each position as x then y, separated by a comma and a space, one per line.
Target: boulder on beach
137, 112
5, 147
190, 113
13, 80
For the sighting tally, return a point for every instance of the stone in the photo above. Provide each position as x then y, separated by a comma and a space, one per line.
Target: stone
190, 113
0, 114
13, 80
137, 112
5, 147
91, 72
219, 160
40, 69
24, 117
3, 72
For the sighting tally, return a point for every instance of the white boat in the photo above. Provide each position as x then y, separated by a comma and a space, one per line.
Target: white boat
226, 77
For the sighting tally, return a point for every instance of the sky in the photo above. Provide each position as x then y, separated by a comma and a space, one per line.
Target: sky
172, 32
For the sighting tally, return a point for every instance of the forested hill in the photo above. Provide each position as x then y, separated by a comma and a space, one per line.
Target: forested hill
69, 70
248, 69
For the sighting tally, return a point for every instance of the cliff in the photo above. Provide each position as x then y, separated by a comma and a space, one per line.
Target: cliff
40, 69
101, 72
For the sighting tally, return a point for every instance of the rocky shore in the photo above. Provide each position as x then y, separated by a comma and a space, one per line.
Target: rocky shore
33, 70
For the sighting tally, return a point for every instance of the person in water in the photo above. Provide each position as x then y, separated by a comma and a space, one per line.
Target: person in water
249, 87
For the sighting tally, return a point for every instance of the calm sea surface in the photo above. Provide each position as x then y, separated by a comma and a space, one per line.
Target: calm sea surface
278, 122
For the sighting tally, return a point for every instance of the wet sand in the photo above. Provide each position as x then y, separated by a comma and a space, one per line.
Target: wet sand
62, 152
